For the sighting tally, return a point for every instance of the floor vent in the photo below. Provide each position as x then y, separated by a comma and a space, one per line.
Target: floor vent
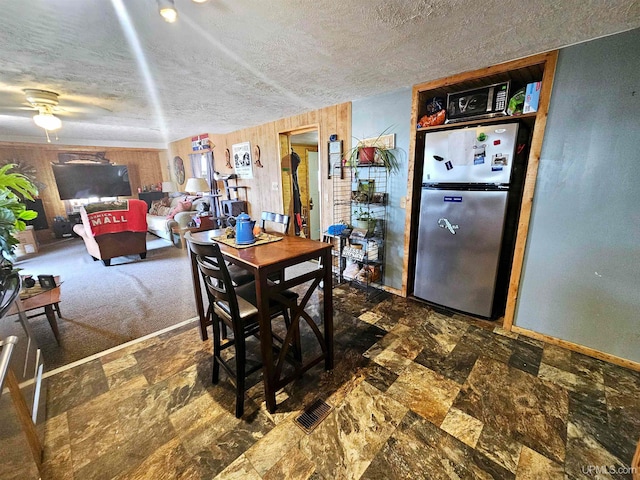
313, 415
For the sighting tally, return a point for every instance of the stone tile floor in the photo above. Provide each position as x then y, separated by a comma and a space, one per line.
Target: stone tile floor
415, 394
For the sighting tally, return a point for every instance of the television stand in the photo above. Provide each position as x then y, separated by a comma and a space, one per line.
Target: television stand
64, 227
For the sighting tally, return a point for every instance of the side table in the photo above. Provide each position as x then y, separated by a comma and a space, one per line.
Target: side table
38, 297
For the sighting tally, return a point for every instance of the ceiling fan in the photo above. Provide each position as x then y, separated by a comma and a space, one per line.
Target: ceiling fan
47, 108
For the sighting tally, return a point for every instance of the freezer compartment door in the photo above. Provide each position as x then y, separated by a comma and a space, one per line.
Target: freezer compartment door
470, 155
459, 238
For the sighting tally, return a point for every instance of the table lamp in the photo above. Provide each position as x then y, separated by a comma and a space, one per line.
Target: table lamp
196, 185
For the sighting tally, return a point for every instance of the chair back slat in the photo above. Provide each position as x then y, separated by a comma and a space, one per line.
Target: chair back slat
275, 218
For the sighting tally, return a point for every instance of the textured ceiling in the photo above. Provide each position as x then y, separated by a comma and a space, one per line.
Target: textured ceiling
126, 77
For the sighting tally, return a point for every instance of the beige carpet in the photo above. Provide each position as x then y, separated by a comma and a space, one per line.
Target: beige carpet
103, 307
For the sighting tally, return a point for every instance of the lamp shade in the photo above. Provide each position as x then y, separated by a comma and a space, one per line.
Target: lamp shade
196, 185
169, 187
48, 121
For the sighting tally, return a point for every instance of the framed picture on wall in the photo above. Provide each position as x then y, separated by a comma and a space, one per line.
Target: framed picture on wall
241, 155
178, 169
335, 156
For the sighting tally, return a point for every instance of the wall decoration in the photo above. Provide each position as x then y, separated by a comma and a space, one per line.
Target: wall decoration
388, 142
242, 160
256, 156
200, 142
82, 157
227, 157
335, 157
178, 169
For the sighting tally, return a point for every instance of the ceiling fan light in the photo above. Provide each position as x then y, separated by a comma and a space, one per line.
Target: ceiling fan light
168, 10
200, 1
48, 121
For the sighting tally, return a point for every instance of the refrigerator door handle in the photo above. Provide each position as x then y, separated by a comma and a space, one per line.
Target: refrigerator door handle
445, 223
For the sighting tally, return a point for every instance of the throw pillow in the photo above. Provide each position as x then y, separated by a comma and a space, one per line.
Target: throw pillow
181, 207
154, 207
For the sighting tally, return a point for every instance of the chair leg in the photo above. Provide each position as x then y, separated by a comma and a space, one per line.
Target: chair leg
51, 317
215, 376
241, 361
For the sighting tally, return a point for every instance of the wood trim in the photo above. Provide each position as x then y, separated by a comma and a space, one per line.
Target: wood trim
549, 59
24, 417
591, 352
635, 463
393, 290
483, 72
408, 234
304, 129
79, 148
529, 188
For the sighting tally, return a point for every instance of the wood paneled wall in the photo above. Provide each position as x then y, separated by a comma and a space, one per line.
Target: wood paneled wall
150, 166
335, 119
182, 148
145, 168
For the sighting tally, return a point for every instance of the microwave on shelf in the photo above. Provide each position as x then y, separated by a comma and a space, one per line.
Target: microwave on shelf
477, 103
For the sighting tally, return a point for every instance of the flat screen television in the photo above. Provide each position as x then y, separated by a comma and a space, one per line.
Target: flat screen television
87, 180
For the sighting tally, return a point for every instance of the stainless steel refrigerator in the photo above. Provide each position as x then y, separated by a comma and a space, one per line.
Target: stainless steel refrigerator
466, 228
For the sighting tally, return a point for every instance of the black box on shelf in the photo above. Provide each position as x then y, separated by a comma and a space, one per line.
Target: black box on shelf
47, 281
485, 102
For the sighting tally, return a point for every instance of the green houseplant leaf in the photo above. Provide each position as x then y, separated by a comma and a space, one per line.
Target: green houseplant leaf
14, 188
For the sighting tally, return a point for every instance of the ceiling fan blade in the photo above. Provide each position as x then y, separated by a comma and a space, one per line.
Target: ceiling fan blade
14, 108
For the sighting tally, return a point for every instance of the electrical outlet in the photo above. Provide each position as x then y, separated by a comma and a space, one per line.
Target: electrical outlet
403, 202
274, 186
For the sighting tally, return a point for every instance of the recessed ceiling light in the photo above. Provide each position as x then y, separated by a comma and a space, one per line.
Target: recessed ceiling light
168, 10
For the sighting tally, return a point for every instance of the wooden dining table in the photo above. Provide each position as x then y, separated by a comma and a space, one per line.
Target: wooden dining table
263, 260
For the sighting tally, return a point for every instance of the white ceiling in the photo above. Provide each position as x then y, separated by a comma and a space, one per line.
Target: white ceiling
230, 64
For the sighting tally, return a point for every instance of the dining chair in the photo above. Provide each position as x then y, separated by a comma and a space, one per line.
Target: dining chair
280, 219
235, 308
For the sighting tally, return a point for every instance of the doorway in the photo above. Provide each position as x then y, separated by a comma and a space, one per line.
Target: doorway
301, 192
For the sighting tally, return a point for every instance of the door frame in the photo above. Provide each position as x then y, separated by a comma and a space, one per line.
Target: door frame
284, 143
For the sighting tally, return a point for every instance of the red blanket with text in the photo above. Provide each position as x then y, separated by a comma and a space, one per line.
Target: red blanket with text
117, 216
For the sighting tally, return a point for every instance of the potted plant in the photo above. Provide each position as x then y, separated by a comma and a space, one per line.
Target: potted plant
372, 153
365, 220
14, 188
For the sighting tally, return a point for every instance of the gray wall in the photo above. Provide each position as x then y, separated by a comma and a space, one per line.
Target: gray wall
581, 278
370, 117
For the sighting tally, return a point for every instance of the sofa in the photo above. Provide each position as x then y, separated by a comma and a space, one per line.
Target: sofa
113, 229
174, 211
